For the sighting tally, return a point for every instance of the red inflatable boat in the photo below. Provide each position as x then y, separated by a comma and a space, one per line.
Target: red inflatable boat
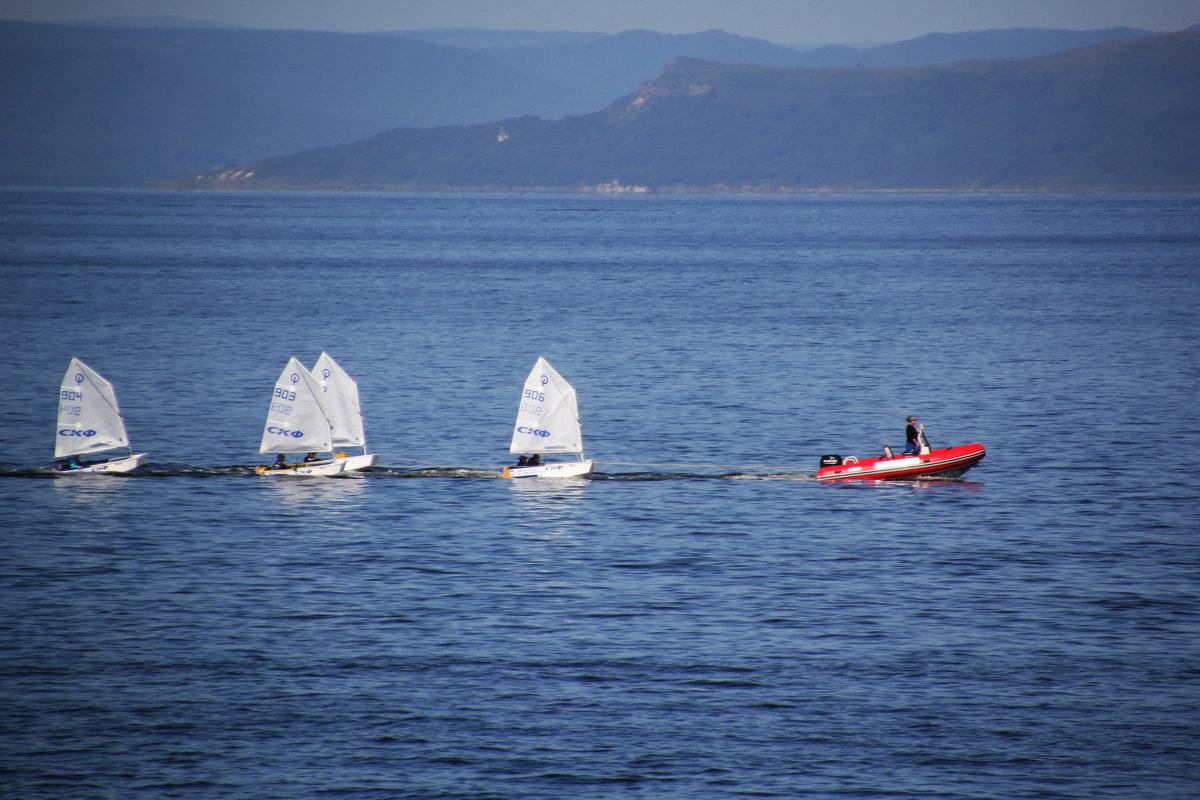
944, 463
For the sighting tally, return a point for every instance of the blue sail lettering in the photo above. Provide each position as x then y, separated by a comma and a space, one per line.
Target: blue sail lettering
277, 431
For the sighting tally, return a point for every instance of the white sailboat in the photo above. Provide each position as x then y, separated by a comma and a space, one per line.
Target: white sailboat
548, 424
89, 421
297, 423
340, 397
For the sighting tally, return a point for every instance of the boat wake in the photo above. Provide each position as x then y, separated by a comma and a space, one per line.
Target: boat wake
706, 476
383, 472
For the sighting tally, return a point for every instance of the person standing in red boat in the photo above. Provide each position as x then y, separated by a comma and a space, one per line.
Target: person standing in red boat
912, 436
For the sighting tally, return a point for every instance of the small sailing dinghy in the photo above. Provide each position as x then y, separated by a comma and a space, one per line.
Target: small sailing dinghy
89, 421
943, 463
548, 425
297, 423
340, 398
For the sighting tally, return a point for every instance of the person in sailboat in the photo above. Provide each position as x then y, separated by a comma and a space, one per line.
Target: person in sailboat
310, 457
536, 461
279, 462
71, 462
523, 461
912, 436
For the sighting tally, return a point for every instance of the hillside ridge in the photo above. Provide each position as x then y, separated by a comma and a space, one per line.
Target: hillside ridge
1117, 116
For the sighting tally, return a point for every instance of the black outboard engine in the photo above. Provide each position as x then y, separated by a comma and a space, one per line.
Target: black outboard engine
831, 461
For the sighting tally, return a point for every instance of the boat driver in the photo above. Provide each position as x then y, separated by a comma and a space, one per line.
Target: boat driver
912, 436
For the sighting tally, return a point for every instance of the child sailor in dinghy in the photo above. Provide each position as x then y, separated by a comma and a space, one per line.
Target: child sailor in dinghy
547, 423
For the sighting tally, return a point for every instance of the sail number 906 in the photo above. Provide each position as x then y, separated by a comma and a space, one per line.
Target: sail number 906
533, 394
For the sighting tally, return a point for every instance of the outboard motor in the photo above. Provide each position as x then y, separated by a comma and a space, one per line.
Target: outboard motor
831, 461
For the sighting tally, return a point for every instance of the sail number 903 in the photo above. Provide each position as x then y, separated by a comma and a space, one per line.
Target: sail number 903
284, 394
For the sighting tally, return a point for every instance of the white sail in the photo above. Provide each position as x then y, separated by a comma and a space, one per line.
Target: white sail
296, 421
89, 420
340, 397
547, 417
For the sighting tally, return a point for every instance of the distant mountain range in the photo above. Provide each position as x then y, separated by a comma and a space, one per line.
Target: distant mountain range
110, 106
1116, 116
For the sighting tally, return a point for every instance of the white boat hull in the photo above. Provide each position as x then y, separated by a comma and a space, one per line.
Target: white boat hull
560, 469
116, 465
354, 463
312, 468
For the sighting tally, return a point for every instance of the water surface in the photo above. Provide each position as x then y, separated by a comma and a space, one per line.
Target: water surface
699, 619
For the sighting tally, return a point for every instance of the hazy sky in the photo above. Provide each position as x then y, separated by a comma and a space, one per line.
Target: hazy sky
786, 21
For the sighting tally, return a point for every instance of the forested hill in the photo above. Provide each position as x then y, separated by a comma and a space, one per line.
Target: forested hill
1120, 116
115, 105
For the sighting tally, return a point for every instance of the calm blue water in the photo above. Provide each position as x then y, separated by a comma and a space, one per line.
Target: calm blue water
698, 620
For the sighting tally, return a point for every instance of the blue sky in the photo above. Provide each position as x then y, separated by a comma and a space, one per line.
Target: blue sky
785, 21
